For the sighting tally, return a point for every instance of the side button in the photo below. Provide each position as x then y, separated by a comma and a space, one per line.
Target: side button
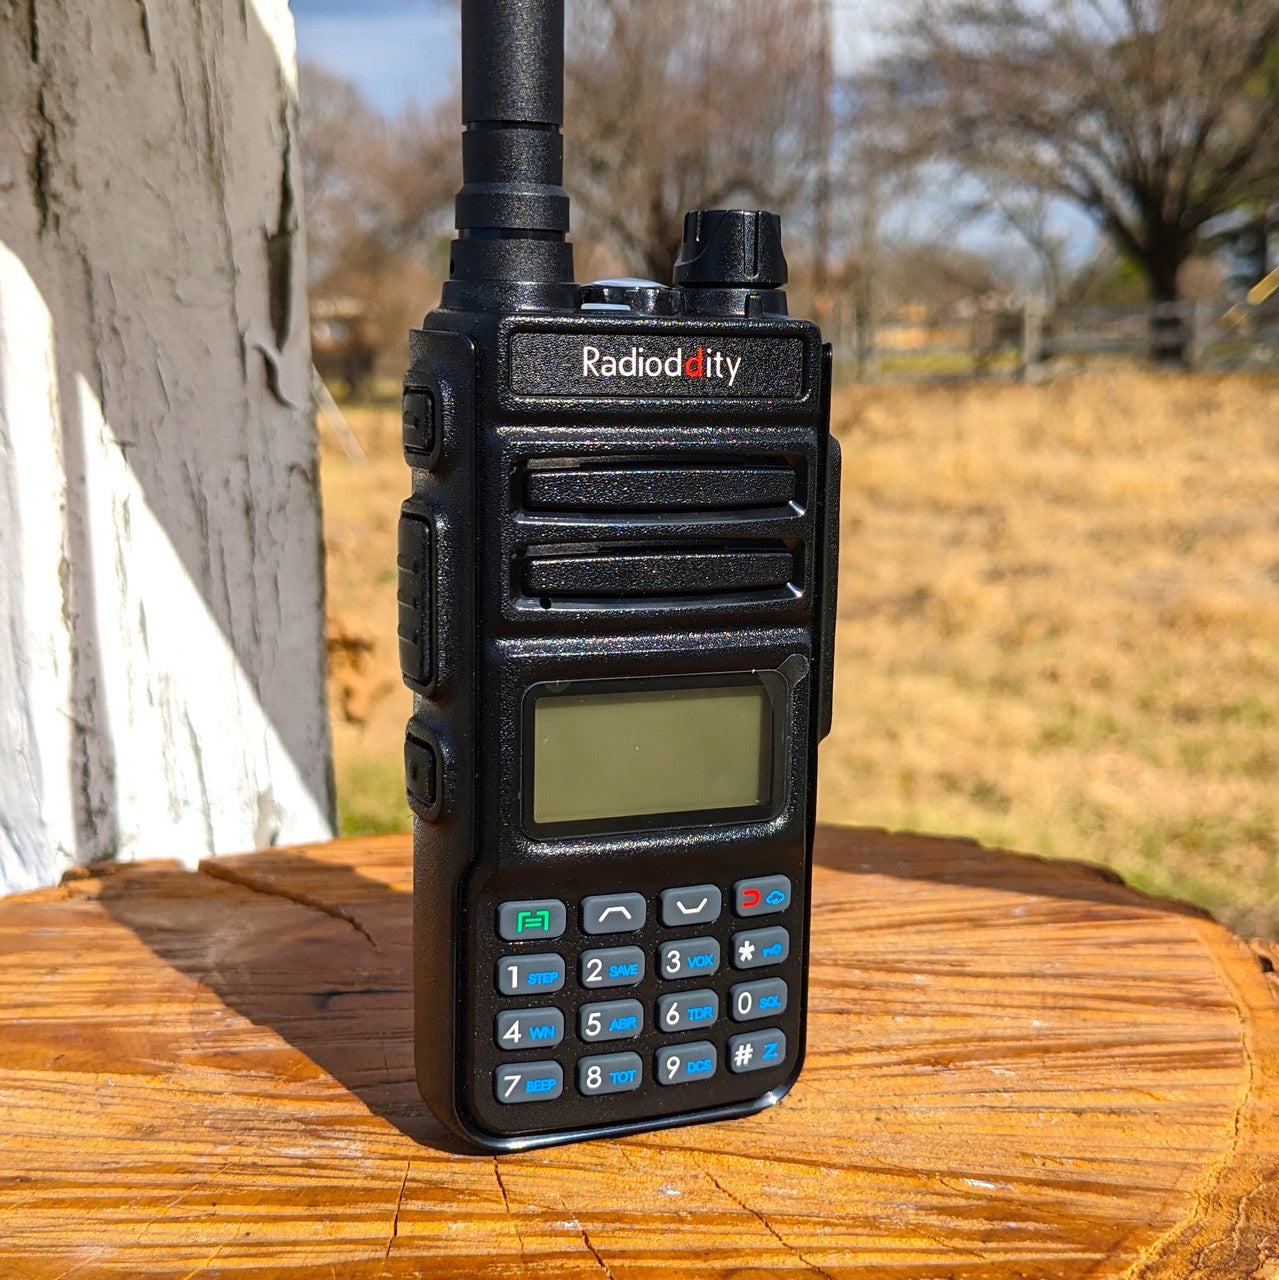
419, 428
417, 659
421, 774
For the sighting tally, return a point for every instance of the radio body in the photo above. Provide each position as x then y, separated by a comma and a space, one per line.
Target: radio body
617, 595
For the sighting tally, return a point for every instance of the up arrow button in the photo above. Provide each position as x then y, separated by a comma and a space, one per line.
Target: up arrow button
614, 913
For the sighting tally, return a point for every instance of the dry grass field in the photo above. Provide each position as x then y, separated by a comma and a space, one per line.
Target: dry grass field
1059, 625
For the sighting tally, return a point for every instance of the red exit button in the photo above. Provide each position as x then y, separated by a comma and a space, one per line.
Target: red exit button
762, 896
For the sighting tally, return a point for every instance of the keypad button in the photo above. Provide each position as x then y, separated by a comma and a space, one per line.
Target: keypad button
758, 948
687, 1011
684, 1063
762, 896
691, 958
610, 1020
516, 1029
614, 913
748, 1001
609, 1073
756, 1051
528, 1082
698, 904
612, 967
527, 921
529, 975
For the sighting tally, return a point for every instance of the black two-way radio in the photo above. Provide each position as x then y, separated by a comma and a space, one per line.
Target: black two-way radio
617, 606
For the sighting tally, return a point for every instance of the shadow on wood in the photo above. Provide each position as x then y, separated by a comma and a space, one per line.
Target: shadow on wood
1016, 1069
344, 999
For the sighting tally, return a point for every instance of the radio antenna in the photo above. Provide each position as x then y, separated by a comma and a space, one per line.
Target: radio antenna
512, 210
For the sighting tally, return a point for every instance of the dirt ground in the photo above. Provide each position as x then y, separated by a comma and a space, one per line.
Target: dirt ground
1059, 625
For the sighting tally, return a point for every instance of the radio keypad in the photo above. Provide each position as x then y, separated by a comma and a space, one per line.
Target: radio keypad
674, 1012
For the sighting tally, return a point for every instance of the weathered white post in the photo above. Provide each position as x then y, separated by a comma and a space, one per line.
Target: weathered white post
161, 592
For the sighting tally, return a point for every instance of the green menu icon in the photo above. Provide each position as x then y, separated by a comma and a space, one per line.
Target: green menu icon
534, 921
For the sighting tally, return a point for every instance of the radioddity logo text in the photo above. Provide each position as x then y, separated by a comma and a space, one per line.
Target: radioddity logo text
703, 362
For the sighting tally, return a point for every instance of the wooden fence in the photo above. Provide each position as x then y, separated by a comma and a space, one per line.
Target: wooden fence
1027, 342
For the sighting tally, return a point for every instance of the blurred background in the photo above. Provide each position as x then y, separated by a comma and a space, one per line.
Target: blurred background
1043, 237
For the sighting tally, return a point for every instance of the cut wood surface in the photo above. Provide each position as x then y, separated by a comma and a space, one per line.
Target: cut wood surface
1016, 1068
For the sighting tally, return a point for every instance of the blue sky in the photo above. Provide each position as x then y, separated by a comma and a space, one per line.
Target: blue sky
400, 51
397, 51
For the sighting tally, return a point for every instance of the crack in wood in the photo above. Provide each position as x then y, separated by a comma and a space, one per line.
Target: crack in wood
595, 1253
271, 889
764, 1222
1214, 1177
395, 1221
506, 1203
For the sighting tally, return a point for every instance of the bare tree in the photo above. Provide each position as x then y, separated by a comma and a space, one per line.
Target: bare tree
673, 106
1154, 116
379, 195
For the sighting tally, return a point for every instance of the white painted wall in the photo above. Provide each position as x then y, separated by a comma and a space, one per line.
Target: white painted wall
161, 589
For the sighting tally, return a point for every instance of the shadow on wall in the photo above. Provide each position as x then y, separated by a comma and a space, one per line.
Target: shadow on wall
162, 667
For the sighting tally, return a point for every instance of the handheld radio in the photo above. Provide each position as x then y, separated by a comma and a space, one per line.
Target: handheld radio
617, 604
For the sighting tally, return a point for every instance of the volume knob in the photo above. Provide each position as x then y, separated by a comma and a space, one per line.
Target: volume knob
733, 249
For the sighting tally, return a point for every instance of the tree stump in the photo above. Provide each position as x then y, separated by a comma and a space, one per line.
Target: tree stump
1016, 1068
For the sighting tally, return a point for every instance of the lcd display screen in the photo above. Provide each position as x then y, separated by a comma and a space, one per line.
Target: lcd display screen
600, 756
